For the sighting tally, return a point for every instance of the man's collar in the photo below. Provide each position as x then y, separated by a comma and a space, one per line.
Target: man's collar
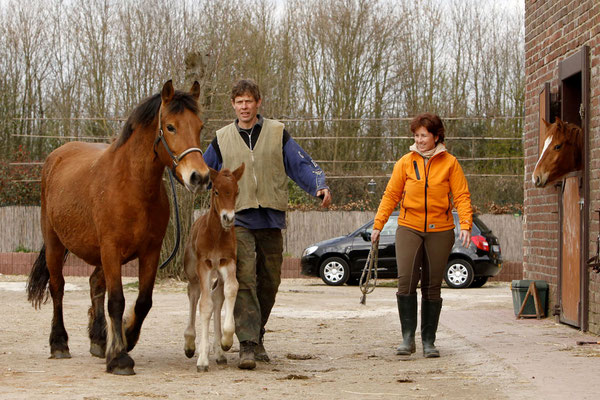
259, 122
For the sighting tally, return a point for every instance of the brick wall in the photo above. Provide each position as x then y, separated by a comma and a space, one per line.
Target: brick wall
21, 263
554, 30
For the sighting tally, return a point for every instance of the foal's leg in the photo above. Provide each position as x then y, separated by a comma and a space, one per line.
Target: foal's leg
206, 309
218, 298
55, 253
97, 320
230, 289
193, 290
117, 360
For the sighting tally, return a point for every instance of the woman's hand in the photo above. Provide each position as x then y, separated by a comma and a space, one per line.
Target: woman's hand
465, 237
375, 235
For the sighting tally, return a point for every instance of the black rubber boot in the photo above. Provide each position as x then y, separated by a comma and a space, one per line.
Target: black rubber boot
407, 309
430, 315
247, 360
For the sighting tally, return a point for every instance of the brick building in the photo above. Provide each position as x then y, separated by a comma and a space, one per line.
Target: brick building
562, 68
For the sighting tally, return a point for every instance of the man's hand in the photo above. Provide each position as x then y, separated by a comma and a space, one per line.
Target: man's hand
324, 194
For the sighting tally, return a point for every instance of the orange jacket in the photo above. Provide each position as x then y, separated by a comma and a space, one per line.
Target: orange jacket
424, 193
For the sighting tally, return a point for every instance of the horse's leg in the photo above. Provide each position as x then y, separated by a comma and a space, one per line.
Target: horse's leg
117, 360
97, 320
206, 309
230, 289
148, 264
55, 255
218, 297
193, 290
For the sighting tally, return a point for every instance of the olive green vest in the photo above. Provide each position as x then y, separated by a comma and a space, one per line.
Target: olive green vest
264, 182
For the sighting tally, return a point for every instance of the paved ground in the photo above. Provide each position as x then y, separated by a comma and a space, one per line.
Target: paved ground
323, 343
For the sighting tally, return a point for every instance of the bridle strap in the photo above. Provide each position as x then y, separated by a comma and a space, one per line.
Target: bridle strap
175, 160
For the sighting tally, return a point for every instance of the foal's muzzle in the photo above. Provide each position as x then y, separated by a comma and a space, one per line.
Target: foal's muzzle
227, 219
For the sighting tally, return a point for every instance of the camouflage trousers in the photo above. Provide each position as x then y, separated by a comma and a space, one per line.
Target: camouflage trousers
259, 259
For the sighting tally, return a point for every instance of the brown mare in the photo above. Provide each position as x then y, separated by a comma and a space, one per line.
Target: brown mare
107, 205
562, 153
211, 253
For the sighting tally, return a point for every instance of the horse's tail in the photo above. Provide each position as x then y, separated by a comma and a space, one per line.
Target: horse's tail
38, 280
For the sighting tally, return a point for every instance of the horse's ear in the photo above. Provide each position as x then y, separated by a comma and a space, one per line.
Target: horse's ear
239, 171
546, 123
558, 122
213, 174
195, 90
167, 91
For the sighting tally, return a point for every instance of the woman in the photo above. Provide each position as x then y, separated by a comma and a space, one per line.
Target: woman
427, 182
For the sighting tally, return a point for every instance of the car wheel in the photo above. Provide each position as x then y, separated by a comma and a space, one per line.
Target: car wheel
459, 274
479, 281
334, 271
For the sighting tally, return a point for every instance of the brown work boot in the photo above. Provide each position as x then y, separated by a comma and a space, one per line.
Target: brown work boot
247, 360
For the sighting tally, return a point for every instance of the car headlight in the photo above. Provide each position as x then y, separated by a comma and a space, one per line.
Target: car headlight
309, 250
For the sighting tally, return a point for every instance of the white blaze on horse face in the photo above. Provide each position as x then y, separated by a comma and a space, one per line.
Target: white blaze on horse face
227, 218
546, 145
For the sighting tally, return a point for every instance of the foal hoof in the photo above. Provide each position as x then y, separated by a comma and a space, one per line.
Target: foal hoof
201, 368
59, 354
97, 350
189, 353
222, 360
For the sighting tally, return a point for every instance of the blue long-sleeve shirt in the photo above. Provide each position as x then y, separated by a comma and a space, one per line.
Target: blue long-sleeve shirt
299, 166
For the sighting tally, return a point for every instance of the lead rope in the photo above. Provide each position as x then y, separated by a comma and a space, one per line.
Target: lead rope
177, 225
368, 279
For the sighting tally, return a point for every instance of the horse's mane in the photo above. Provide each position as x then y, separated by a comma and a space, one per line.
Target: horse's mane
146, 111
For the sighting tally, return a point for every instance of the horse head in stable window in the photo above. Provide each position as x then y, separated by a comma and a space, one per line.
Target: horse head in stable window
562, 153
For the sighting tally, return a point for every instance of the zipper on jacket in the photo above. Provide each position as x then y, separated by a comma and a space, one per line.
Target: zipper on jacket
416, 170
426, 183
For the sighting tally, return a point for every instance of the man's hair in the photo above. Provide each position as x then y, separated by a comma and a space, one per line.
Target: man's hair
431, 122
245, 86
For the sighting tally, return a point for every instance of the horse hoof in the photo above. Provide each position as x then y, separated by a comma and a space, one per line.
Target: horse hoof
189, 353
97, 350
122, 371
121, 365
222, 360
60, 354
201, 368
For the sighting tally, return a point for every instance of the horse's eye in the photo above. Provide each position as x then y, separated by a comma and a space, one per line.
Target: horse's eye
216, 192
171, 128
557, 147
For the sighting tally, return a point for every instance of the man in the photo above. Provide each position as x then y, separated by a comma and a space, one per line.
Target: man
270, 155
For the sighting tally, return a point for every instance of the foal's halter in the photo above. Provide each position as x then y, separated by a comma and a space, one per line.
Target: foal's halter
175, 159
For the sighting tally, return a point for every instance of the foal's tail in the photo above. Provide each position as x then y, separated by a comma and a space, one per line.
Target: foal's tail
38, 281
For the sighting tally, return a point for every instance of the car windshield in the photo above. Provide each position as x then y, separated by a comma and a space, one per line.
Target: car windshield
389, 229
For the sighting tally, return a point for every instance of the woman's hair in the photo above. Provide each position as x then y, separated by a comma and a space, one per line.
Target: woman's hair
245, 86
431, 122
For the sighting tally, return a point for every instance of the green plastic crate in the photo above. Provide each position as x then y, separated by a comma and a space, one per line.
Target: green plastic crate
519, 290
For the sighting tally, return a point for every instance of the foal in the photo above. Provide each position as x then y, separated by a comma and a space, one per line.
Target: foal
210, 254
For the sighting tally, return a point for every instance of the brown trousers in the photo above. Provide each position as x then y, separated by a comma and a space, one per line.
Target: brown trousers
422, 255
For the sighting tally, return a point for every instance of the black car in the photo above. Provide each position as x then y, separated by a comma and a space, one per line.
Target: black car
342, 259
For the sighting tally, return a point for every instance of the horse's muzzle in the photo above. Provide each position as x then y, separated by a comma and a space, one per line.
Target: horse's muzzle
196, 181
